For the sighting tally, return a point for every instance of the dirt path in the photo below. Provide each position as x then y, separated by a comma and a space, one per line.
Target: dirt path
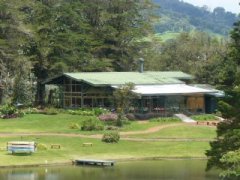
122, 134
153, 129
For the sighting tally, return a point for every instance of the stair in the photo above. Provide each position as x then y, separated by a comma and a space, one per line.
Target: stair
184, 118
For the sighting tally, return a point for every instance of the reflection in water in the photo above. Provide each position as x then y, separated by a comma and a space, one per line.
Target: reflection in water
139, 170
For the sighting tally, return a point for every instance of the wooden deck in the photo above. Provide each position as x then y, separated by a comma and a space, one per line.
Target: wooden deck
94, 162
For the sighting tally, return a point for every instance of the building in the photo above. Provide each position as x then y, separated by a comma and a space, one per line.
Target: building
162, 93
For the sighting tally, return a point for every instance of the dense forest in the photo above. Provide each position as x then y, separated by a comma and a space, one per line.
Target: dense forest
178, 16
42, 38
47, 37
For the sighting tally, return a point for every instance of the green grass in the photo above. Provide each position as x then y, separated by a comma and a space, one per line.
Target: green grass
41, 123
72, 148
204, 117
60, 124
182, 132
136, 126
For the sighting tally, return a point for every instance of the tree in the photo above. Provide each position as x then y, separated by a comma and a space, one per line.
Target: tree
123, 96
232, 160
59, 36
120, 25
22, 85
196, 53
224, 152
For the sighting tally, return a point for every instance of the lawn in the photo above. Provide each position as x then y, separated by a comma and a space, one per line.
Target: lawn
72, 148
60, 124
182, 131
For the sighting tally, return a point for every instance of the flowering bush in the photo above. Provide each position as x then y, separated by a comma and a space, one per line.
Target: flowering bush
81, 112
8, 111
108, 117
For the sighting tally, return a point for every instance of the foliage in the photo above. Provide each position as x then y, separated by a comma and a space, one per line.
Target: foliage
198, 54
123, 96
232, 160
111, 128
32, 111
111, 137
74, 126
108, 117
41, 146
225, 109
204, 117
179, 16
100, 36
8, 111
23, 88
100, 111
50, 111
92, 124
88, 111
228, 131
83, 112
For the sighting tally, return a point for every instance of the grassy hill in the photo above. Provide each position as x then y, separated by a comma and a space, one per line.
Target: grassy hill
178, 16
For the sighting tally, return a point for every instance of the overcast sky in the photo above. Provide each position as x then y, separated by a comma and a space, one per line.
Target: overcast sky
229, 5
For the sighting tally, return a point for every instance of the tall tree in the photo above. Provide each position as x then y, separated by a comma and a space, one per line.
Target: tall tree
121, 26
196, 53
224, 152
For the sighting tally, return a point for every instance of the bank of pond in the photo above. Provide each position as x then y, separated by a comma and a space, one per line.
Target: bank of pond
148, 169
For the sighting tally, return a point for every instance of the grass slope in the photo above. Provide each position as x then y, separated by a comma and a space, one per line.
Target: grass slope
72, 148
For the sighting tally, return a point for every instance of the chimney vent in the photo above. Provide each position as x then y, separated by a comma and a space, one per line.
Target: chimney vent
141, 65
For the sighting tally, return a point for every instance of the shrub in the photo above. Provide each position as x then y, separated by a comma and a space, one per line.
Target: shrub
92, 124
166, 119
8, 111
111, 137
20, 113
108, 117
100, 111
32, 111
50, 111
74, 126
204, 117
111, 128
41, 146
130, 117
81, 112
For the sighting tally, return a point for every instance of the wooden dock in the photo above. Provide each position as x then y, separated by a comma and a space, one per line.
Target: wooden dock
94, 162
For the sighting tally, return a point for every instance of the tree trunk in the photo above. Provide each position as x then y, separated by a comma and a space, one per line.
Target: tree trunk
40, 94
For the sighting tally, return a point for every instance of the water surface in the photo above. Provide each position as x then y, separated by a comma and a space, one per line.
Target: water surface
134, 170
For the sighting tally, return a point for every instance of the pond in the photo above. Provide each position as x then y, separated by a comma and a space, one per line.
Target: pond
139, 170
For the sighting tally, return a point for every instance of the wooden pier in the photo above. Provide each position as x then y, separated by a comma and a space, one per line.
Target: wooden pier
94, 162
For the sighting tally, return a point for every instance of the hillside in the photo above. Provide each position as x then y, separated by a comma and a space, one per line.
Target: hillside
178, 16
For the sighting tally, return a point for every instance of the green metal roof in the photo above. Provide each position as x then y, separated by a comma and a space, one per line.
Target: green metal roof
120, 78
169, 74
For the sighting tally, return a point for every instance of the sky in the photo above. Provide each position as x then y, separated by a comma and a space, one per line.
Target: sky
228, 5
